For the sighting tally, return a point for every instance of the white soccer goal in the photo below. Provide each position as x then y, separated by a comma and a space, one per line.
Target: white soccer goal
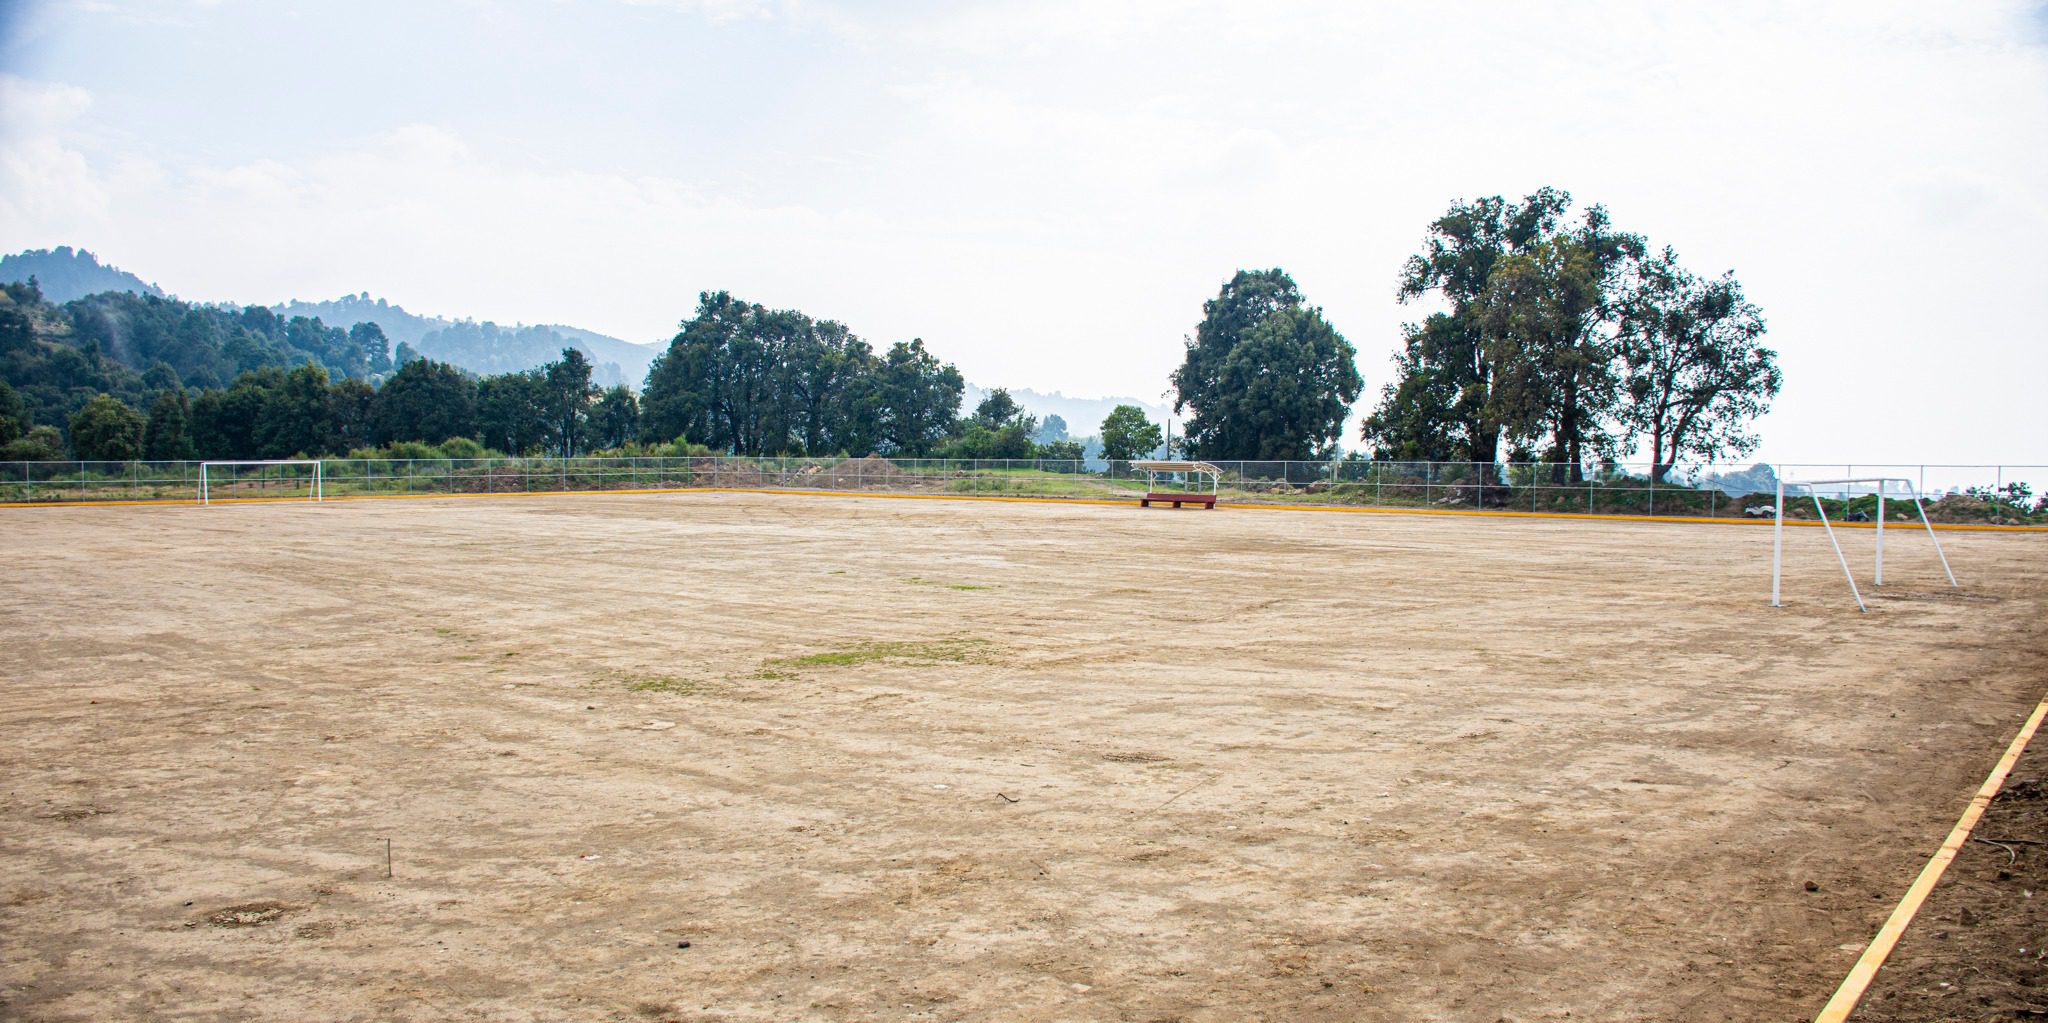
1778, 532
314, 493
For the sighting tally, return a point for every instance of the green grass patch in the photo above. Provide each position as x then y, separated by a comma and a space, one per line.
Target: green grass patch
915, 654
674, 684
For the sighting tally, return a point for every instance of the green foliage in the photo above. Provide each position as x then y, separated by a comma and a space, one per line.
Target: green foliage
753, 380
295, 416
376, 348
975, 440
425, 401
1567, 342
403, 450
1127, 434
107, 430
167, 436
918, 398
1695, 373
1050, 430
614, 419
13, 415
511, 411
565, 401
1061, 450
998, 410
1266, 376
1442, 403
2016, 496
39, 444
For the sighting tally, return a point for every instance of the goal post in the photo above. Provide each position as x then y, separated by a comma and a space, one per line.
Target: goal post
317, 493
1778, 532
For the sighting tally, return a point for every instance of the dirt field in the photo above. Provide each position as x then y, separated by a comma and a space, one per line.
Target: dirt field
897, 759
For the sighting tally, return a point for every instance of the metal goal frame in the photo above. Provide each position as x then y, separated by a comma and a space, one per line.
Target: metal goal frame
1778, 532
318, 481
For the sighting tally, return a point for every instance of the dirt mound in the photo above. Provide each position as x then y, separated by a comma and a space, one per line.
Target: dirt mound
870, 471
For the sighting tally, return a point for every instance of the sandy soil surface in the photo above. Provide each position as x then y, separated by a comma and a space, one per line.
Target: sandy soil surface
898, 759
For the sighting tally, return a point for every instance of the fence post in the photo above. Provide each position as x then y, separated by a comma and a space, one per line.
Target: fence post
1653, 491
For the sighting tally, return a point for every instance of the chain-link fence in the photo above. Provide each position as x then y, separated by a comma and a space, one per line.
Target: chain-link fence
1995, 494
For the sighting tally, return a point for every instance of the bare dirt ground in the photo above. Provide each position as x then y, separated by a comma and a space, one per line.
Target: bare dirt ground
896, 759
1978, 950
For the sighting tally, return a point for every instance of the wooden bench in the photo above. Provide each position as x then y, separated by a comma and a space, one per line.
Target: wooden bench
1205, 500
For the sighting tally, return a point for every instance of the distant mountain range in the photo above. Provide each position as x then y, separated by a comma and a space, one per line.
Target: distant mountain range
1083, 416
486, 347
65, 274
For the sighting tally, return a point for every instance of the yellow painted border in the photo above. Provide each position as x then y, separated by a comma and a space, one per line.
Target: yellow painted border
1858, 981
1023, 499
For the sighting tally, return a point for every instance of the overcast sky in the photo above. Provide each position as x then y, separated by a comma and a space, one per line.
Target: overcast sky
1046, 192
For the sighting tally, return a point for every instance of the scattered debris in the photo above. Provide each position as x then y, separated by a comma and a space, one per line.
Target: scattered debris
248, 914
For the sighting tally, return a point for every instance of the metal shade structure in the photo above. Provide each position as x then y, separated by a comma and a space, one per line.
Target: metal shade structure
1183, 482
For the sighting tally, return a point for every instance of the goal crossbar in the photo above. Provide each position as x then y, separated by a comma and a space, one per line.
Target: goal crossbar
317, 480
1778, 532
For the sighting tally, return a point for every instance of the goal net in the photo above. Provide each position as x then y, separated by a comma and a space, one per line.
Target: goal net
1884, 487
279, 479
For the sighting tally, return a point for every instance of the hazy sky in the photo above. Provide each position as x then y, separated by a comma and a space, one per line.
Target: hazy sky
1046, 192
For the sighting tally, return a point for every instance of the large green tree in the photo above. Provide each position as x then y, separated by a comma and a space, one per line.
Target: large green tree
1547, 316
1695, 373
754, 380
349, 402
1127, 434
295, 420
1266, 376
917, 397
511, 411
167, 436
424, 401
566, 401
1443, 403
614, 419
105, 429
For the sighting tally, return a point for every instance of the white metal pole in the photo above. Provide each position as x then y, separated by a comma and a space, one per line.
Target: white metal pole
1937, 541
1880, 534
1839, 556
1777, 544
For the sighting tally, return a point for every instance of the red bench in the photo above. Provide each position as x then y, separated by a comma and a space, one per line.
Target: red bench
1205, 500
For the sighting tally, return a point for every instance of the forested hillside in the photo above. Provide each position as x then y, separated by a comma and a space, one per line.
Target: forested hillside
65, 273
483, 347
119, 376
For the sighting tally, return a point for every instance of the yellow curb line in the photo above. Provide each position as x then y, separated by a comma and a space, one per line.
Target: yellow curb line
1865, 970
1479, 513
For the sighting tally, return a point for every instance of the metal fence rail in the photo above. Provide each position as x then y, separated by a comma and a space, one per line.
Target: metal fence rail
2005, 493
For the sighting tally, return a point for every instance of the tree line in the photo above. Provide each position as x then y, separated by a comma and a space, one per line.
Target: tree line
1564, 340
738, 378
1560, 339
